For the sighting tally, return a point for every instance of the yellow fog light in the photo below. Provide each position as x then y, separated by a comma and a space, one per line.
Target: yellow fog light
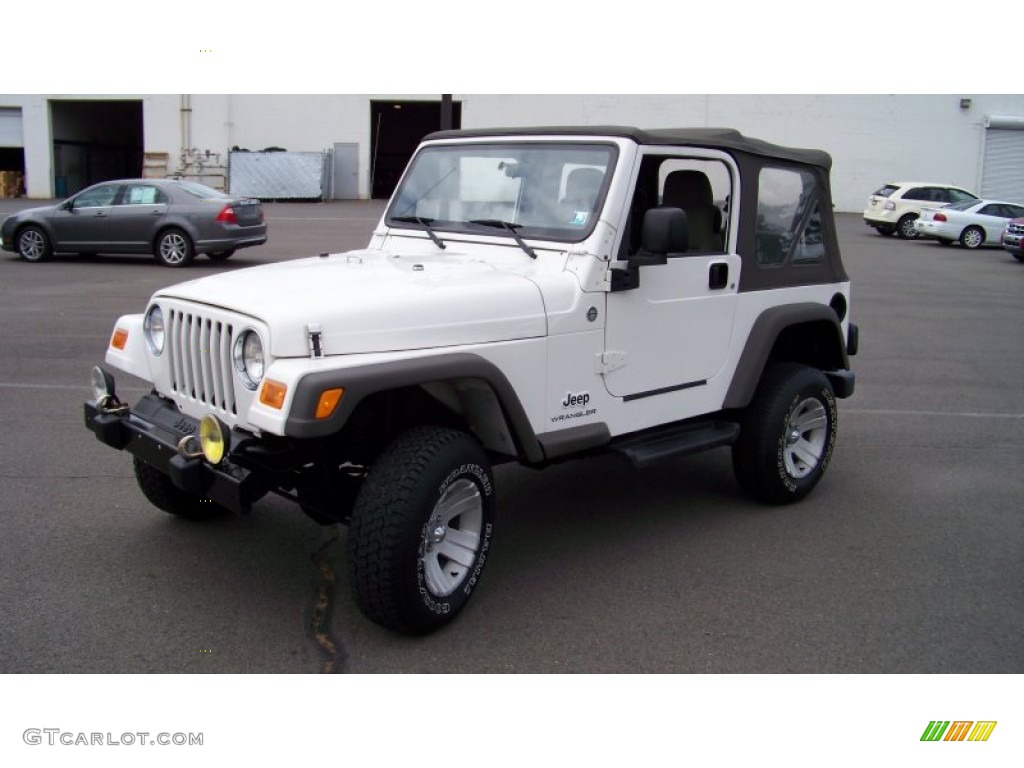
273, 393
329, 400
213, 438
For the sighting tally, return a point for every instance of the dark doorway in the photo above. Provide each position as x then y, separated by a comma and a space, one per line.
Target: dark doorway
95, 141
396, 128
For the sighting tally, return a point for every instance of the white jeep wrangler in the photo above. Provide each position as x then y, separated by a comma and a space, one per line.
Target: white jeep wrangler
530, 295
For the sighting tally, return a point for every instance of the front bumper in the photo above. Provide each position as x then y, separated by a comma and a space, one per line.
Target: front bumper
152, 431
1013, 243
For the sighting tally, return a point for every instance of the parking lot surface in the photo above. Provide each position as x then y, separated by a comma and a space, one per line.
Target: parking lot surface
907, 558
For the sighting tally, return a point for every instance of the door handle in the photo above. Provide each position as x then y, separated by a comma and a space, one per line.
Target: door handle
718, 275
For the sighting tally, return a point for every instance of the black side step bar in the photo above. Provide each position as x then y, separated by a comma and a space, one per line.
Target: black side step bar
657, 445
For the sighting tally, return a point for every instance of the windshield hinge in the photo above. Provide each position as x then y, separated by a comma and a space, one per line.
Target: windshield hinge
316, 347
610, 361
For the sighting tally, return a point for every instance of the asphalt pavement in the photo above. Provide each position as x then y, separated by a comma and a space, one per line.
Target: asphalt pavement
907, 558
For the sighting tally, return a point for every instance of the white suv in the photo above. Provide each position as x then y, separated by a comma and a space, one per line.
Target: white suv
894, 207
530, 295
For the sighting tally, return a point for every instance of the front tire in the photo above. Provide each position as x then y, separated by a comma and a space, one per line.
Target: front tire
972, 237
421, 529
174, 248
905, 227
33, 244
165, 495
787, 434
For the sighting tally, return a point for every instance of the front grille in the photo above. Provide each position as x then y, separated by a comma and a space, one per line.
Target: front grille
1015, 229
201, 366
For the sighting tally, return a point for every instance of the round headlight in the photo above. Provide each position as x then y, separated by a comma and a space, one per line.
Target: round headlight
212, 438
248, 354
153, 329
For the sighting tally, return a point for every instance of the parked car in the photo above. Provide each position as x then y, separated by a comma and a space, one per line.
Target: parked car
894, 207
1013, 239
573, 291
974, 223
171, 219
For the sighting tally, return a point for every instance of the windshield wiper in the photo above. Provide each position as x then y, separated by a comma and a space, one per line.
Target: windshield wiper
507, 225
425, 223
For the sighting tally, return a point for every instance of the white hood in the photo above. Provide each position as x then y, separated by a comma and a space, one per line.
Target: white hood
375, 301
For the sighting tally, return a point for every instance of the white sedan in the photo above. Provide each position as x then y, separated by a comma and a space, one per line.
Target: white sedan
973, 223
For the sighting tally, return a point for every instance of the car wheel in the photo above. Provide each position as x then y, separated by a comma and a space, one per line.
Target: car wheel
1018, 256
33, 244
165, 495
174, 248
905, 227
972, 237
787, 434
884, 231
221, 255
420, 532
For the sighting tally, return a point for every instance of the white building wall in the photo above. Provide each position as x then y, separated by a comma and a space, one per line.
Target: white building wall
873, 139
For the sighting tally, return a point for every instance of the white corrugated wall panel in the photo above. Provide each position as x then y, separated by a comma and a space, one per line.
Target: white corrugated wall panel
1003, 171
11, 134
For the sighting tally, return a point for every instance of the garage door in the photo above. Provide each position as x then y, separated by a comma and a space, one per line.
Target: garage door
10, 127
1003, 175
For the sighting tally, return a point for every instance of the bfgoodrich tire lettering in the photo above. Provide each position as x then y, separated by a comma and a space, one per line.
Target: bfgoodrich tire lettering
421, 529
787, 434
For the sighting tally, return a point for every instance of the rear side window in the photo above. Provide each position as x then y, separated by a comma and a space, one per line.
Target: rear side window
917, 193
885, 191
789, 228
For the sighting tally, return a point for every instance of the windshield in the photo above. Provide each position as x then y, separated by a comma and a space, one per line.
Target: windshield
542, 190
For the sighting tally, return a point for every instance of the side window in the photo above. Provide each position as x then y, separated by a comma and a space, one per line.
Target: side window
97, 197
991, 210
916, 193
959, 196
701, 187
142, 194
789, 223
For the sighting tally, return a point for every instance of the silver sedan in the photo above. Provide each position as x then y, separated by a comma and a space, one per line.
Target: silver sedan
972, 223
168, 218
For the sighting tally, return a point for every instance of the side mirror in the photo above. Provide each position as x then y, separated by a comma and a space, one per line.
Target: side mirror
665, 230
68, 204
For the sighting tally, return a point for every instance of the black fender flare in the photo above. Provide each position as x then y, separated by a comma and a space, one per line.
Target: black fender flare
761, 340
362, 381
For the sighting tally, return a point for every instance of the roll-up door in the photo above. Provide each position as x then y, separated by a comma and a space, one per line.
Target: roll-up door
1003, 173
10, 127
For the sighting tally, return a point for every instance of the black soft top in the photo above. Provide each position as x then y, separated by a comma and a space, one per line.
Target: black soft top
714, 138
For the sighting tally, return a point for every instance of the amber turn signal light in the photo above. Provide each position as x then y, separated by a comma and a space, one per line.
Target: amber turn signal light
329, 400
119, 339
273, 393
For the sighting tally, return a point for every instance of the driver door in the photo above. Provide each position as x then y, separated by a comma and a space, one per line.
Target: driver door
672, 331
83, 222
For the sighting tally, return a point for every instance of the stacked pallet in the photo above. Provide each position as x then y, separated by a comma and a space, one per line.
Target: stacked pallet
12, 184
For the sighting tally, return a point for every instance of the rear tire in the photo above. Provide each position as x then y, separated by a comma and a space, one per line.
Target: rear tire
905, 227
787, 434
421, 528
174, 248
972, 238
33, 245
165, 495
